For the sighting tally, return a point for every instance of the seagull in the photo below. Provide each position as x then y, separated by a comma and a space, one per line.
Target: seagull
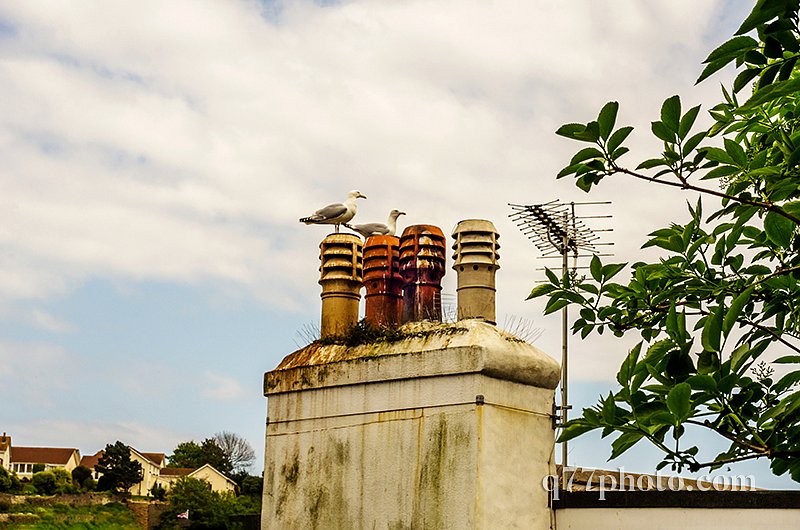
378, 229
337, 213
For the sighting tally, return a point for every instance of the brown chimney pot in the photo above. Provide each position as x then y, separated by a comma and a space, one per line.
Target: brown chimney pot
422, 265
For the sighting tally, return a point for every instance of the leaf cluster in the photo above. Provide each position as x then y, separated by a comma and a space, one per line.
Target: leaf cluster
724, 296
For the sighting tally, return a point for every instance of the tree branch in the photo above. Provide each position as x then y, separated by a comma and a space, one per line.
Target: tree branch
686, 186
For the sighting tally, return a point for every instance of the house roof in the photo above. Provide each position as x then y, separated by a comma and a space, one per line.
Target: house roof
91, 460
215, 470
42, 455
156, 458
177, 471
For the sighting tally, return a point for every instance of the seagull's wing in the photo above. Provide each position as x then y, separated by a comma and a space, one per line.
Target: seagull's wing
370, 229
327, 215
331, 211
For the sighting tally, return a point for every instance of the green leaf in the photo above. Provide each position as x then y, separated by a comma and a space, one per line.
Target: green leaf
702, 382
767, 76
711, 69
609, 410
607, 118
671, 113
772, 92
712, 329
687, 121
541, 290
690, 144
612, 269
617, 138
596, 268
739, 356
779, 229
574, 429
651, 163
744, 77
554, 304
788, 359
707, 362
735, 309
679, 401
721, 171
736, 152
663, 132
585, 154
762, 12
624, 442
732, 49
718, 155
787, 381
569, 130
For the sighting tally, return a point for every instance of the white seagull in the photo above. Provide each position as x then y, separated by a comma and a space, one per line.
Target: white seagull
337, 213
378, 229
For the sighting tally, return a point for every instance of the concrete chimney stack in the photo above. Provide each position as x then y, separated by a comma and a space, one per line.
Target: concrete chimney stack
475, 260
422, 265
382, 281
341, 265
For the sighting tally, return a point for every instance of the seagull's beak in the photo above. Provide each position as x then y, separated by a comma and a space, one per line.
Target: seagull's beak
361, 196
401, 213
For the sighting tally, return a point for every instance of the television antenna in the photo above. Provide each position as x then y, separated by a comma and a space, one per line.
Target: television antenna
557, 231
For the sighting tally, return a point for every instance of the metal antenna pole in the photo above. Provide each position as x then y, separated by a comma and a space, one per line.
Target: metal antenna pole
555, 229
564, 347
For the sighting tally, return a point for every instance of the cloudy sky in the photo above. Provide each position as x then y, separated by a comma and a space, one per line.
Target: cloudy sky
157, 155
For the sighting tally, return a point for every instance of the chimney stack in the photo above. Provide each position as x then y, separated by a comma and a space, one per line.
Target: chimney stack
340, 277
383, 304
422, 265
475, 261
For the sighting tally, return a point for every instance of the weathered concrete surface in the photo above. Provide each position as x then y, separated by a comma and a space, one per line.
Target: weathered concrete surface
439, 431
467, 346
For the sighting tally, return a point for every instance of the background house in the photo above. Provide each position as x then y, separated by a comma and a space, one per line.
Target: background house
22, 459
5, 450
218, 481
154, 471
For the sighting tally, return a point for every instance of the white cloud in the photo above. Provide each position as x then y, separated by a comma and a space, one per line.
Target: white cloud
222, 388
86, 435
181, 141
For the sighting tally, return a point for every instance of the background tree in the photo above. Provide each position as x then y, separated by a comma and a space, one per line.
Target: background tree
193, 455
119, 471
44, 482
719, 314
207, 508
6, 482
80, 474
238, 450
64, 481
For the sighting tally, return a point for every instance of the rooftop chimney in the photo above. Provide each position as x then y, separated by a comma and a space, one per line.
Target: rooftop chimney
340, 277
475, 261
422, 262
382, 281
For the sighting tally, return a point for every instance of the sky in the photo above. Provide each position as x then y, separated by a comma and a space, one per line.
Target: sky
157, 155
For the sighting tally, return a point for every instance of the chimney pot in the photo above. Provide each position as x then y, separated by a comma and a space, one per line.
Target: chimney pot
340, 277
422, 265
383, 283
475, 261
